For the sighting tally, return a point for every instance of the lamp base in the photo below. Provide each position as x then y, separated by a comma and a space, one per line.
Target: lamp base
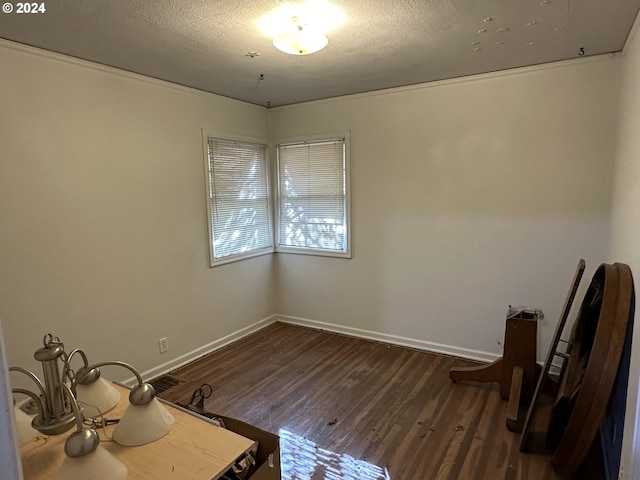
57, 426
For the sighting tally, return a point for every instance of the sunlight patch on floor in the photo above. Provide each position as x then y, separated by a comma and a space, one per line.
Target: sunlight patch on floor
302, 459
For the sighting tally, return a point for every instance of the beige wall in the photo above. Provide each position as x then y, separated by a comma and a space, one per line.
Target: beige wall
625, 228
102, 213
467, 196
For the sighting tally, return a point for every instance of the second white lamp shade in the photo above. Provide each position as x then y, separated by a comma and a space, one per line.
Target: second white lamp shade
97, 397
97, 465
23, 426
142, 424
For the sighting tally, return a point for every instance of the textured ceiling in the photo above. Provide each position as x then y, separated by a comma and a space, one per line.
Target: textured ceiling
204, 44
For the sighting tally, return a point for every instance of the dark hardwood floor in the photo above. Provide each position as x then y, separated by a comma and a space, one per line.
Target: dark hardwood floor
347, 408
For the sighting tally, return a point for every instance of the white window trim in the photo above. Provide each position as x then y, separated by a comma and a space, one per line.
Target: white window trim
346, 134
206, 134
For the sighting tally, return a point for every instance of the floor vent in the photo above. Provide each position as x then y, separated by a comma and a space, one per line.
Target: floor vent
164, 383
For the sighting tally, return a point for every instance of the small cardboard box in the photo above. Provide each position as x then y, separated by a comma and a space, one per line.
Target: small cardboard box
268, 454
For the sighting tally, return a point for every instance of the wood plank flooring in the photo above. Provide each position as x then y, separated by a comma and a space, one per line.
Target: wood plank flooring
366, 403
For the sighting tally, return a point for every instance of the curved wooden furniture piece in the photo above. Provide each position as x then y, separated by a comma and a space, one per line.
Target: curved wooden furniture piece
543, 377
586, 381
516, 371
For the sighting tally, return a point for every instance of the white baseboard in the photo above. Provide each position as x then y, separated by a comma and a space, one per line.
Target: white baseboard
423, 345
189, 357
432, 347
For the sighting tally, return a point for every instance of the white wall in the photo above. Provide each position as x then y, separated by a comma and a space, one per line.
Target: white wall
467, 196
102, 212
625, 227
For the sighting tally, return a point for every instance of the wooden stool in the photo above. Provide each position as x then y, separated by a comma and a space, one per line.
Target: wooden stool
517, 370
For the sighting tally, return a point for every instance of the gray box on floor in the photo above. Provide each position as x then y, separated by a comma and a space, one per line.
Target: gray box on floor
268, 454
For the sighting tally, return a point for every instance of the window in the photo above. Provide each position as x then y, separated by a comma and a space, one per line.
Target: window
313, 197
238, 200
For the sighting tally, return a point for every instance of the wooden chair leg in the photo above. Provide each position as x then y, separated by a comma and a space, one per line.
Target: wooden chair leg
513, 408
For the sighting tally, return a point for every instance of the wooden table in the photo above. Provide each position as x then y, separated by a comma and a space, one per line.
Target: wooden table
517, 370
193, 450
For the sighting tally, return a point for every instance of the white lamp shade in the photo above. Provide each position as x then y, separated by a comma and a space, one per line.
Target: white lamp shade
143, 424
23, 426
301, 42
98, 465
97, 397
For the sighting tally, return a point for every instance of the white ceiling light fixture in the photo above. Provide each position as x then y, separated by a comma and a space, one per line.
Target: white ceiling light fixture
300, 39
300, 28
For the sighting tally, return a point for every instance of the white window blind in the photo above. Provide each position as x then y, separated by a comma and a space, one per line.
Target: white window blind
238, 200
312, 197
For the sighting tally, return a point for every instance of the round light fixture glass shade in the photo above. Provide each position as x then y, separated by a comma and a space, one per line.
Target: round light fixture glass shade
142, 424
319, 14
97, 465
301, 41
97, 397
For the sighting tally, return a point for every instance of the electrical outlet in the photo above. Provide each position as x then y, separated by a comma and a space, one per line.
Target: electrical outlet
164, 344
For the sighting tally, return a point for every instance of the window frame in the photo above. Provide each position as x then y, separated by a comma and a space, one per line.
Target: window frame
347, 252
206, 136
